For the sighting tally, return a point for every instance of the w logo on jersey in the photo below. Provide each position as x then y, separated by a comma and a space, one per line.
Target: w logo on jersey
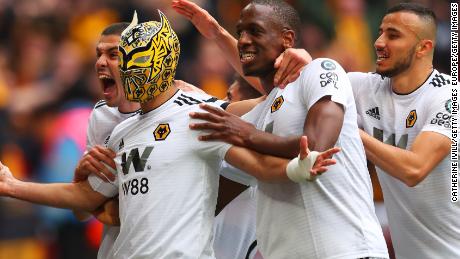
391, 140
137, 161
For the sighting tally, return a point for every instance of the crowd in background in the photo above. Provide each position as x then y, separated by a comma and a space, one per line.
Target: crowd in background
48, 88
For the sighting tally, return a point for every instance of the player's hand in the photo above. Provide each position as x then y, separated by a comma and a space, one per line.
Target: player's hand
323, 160
93, 163
186, 87
6, 177
200, 18
224, 126
289, 65
108, 213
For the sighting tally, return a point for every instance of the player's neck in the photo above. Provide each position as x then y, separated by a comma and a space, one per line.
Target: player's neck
128, 107
159, 100
411, 79
267, 81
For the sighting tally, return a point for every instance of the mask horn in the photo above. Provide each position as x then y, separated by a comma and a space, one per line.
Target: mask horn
132, 24
164, 20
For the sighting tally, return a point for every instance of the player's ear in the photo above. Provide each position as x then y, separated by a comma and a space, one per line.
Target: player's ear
424, 48
288, 38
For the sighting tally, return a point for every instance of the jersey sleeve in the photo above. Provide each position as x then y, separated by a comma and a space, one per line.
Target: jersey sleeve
207, 148
357, 81
236, 175
324, 77
439, 112
109, 188
205, 98
216, 102
90, 131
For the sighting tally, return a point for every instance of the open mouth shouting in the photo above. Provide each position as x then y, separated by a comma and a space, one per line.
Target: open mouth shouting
108, 85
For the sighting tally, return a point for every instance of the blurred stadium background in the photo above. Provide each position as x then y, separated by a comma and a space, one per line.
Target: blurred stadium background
48, 87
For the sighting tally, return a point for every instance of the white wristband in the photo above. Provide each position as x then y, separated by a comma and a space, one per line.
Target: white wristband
298, 170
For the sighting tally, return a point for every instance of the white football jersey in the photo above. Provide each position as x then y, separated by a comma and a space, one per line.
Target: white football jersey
332, 217
424, 223
167, 182
235, 228
102, 121
234, 174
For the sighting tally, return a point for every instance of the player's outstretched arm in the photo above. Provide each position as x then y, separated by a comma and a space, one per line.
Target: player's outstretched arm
322, 126
268, 168
409, 166
224, 126
78, 196
289, 64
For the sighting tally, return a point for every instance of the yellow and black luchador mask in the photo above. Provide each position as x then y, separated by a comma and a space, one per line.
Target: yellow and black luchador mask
149, 53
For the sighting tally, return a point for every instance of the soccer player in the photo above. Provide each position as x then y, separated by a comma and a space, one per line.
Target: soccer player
405, 110
104, 117
300, 220
166, 178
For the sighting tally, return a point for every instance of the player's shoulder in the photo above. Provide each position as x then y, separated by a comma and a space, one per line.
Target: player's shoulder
191, 100
102, 111
99, 104
367, 80
439, 82
321, 65
127, 123
367, 76
324, 71
102, 107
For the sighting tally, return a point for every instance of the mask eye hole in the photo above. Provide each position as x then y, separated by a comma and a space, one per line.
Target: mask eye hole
142, 59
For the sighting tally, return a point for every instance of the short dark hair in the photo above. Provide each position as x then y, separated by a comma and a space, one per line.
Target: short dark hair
417, 9
115, 28
284, 13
